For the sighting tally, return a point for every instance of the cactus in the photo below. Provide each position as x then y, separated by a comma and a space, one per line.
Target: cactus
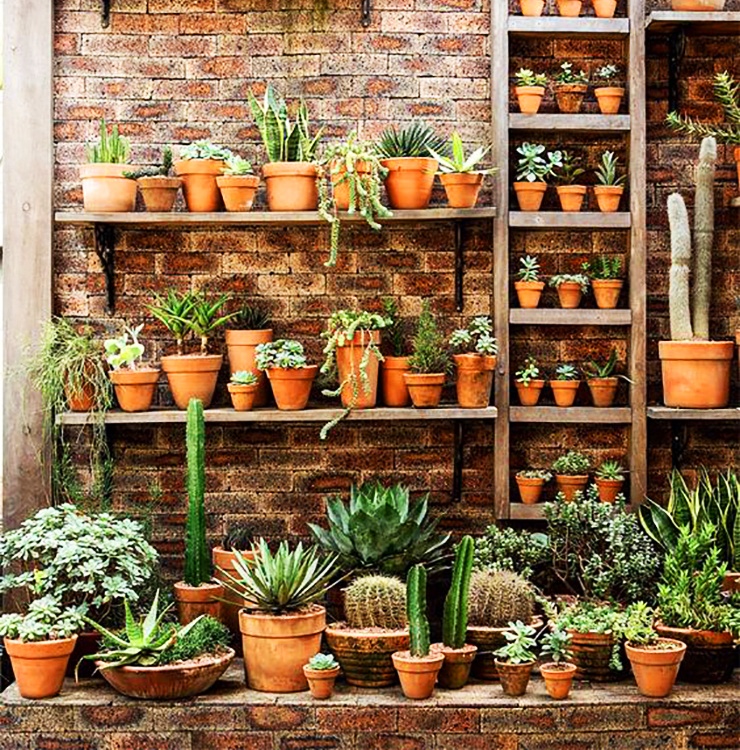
498, 598
376, 602
678, 293
455, 618
197, 557
416, 611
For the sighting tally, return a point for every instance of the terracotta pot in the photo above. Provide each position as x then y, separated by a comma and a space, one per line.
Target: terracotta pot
489, 639
565, 391
604, 8
608, 489
474, 380
291, 186
320, 681
159, 192
514, 677
425, 389
223, 567
569, 484
656, 669
698, 5
135, 388
709, 656
529, 293
603, 391
608, 197
569, 96
199, 183
241, 346
591, 653
349, 357
570, 295
170, 681
606, 292
529, 195
340, 190
292, 387
88, 643
569, 8
417, 674
456, 667
558, 679
462, 188
194, 601
530, 394
106, 190
277, 646
82, 400
242, 396
736, 156
529, 98
394, 388
532, 7
192, 376
365, 655
237, 191
571, 197
731, 581
39, 666
530, 489
609, 99
409, 182
696, 374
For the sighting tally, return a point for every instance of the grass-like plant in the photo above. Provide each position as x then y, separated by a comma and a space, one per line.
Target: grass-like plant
173, 311
250, 317
430, 354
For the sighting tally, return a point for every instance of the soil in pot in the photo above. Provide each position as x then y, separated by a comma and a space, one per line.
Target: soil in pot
558, 679
199, 183
321, 681
591, 655
532, 7
425, 389
514, 677
569, 484
603, 391
696, 374
529, 293
105, 189
609, 489
709, 657
223, 567
609, 99
410, 181
194, 601
394, 388
529, 195
242, 396
656, 667
606, 292
565, 391
135, 389
349, 357
569, 97
530, 394
39, 667
455, 670
529, 98
418, 674
605, 8
241, 347
192, 376
530, 489
571, 197
292, 387
237, 191
474, 380
608, 197
570, 295
462, 188
291, 186
159, 192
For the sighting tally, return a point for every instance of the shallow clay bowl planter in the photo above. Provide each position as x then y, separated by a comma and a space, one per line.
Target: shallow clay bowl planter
418, 674
570, 295
565, 391
569, 484
291, 387
474, 380
135, 388
606, 292
709, 656
410, 181
605, 8
241, 347
39, 666
462, 188
558, 679
321, 681
696, 374
514, 677
242, 396
603, 391
194, 601
530, 394
608, 489
393, 386
170, 681
571, 197
529, 98
656, 668
349, 356
529, 293
591, 655
530, 195
608, 197
192, 376
530, 489
532, 7
425, 389
199, 183
159, 192
455, 670
106, 190
291, 186
237, 191
609, 99
569, 97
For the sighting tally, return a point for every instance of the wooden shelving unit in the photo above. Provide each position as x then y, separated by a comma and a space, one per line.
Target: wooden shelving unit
552, 220
721, 23
545, 316
570, 415
570, 123
731, 414
561, 27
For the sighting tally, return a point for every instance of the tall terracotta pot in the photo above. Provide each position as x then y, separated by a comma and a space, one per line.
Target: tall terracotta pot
291, 186
608, 197
39, 666
410, 180
238, 191
565, 391
349, 356
529, 293
529, 394
159, 192
462, 188
530, 195
656, 669
709, 657
194, 601
603, 391
474, 380
135, 388
569, 97
199, 183
696, 374
529, 98
570, 484
609, 99
223, 567
241, 347
417, 674
425, 389
393, 386
292, 387
606, 292
106, 190
192, 376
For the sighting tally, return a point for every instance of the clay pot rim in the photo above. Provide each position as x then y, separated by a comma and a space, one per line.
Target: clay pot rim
15, 643
696, 350
555, 669
466, 650
289, 169
571, 477
715, 635
198, 166
281, 372
411, 163
321, 674
537, 186
536, 383
238, 180
428, 378
124, 371
508, 665
609, 90
603, 382
311, 610
529, 284
391, 362
529, 481
577, 189
608, 189
472, 361
676, 646
531, 90
264, 331
609, 482
608, 283
565, 384
574, 88
461, 178
242, 387
405, 658
191, 664
158, 182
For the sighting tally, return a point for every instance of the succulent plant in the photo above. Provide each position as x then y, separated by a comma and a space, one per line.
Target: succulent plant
376, 602
415, 139
498, 598
322, 662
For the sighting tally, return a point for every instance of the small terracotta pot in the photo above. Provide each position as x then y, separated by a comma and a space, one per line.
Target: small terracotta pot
349, 357
571, 197
242, 396
609, 99
608, 197
655, 669
340, 190
603, 391
514, 677
569, 96
409, 182
292, 387
417, 674
199, 183
241, 347
39, 666
194, 601
237, 191
488, 639
532, 7
529, 293
291, 186
159, 192
425, 389
529, 195
608, 489
699, 6
565, 391
591, 655
455, 670
81, 400
696, 374
462, 188
529, 98
605, 8
320, 681
569, 8
135, 388
224, 565
106, 190
709, 657
192, 376
530, 394
394, 388
530, 489
570, 295
606, 292
474, 380
570, 484
558, 679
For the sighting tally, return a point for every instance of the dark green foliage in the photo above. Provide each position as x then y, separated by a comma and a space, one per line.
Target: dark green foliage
376, 602
523, 552
430, 354
238, 537
207, 636
250, 318
455, 617
414, 140
603, 267
197, 556
395, 334
416, 611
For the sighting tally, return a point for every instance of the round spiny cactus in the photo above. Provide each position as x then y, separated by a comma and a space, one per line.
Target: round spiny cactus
376, 602
498, 598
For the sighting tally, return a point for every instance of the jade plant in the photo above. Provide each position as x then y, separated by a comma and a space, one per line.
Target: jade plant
476, 338
111, 148
455, 615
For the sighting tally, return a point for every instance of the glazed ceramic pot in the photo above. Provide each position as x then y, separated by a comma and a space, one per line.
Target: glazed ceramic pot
696, 374
291, 186
410, 181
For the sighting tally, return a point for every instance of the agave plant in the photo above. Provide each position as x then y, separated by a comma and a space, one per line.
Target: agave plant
381, 530
416, 139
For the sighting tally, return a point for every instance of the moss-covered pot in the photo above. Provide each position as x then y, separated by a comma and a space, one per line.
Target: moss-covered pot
709, 658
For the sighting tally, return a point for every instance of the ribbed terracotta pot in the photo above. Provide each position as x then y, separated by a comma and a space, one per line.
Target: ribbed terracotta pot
565, 391
242, 396
135, 389
409, 182
455, 670
291, 186
570, 295
591, 653
608, 197
192, 376
291, 387
603, 391
655, 669
569, 484
569, 96
418, 675
159, 192
530, 394
241, 347
608, 489
530, 489
696, 374
393, 385
223, 567
349, 356
425, 389
532, 7
529, 293
605, 8
340, 190
39, 666
558, 679
321, 681
606, 292
529, 195
514, 677
571, 197
474, 380
106, 190
462, 188
199, 183
709, 657
489, 639
529, 98
238, 191
194, 601
609, 99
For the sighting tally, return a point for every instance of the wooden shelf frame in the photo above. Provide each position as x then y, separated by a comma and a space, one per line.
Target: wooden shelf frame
578, 123
570, 415
545, 316
710, 23
666, 413
554, 221
562, 27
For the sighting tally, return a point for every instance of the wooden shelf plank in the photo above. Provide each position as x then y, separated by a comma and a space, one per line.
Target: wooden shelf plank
721, 23
522, 512
699, 415
558, 317
554, 220
557, 26
570, 123
573, 414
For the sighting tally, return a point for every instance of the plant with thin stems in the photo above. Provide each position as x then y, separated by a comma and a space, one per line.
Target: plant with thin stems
568, 77
395, 333
595, 369
570, 168
430, 354
163, 170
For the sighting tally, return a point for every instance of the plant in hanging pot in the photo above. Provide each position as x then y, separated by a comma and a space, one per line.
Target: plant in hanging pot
288, 371
528, 285
571, 474
395, 359
610, 185
429, 363
321, 671
605, 8
243, 389
134, 385
531, 482
570, 87
237, 183
601, 380
475, 368
249, 327
557, 673
607, 89
516, 659
199, 165
571, 287
529, 90
605, 276
609, 478
528, 382
565, 385
158, 189
570, 194
532, 170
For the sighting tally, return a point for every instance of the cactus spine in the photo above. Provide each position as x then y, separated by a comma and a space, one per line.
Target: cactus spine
455, 618
416, 611
376, 602
498, 598
197, 558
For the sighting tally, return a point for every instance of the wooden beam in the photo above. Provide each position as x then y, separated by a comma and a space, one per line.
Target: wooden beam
710, 23
557, 317
555, 220
694, 415
570, 123
558, 26
571, 415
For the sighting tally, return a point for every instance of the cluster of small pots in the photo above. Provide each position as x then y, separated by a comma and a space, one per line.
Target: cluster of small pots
531, 487
530, 196
570, 8
570, 97
570, 294
603, 391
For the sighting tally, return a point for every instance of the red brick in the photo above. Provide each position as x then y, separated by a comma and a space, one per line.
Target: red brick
278, 717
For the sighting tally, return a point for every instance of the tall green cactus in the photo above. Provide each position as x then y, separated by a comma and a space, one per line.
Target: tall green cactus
197, 557
416, 610
455, 617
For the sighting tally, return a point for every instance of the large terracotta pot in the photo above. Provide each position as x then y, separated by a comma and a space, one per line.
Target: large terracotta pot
606, 292
241, 346
565, 391
199, 183
603, 391
159, 192
39, 666
223, 567
291, 387
410, 180
608, 197
609, 99
605, 8
456, 667
349, 356
105, 189
462, 188
696, 374
277, 646
570, 295
558, 679
608, 489
394, 388
709, 657
514, 677
529, 293
489, 639
569, 97
291, 186
425, 389
569, 484
656, 669
320, 681
341, 191
532, 7
591, 653
417, 674
192, 376
529, 98
135, 388
474, 380
529, 195
571, 197
530, 489
529, 394
237, 191
194, 601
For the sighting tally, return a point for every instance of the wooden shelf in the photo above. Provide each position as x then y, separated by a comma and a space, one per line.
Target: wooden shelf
571, 123
558, 317
554, 220
557, 26
573, 414
721, 23
699, 415
522, 512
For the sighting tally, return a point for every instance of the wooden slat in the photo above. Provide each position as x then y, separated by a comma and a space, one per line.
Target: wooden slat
699, 415
570, 123
553, 220
573, 414
723, 23
558, 26
557, 317
522, 512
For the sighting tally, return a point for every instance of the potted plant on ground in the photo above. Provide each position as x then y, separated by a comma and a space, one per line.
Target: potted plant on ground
288, 371
557, 673
528, 382
158, 189
532, 170
601, 380
134, 386
570, 194
604, 8
608, 93
199, 165
407, 156
610, 185
565, 385
571, 473
529, 90
570, 87
605, 276
243, 389
528, 285
321, 671
429, 363
516, 659
571, 287
609, 478
249, 327
395, 361
532, 7
475, 369
531, 482
238, 184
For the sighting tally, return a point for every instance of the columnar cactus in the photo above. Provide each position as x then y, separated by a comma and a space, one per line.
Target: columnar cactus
498, 598
455, 618
416, 611
376, 602
197, 558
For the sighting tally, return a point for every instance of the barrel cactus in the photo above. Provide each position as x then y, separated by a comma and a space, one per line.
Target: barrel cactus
498, 598
376, 602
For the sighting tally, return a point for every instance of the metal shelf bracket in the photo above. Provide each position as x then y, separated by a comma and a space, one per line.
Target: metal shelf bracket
676, 50
679, 441
105, 246
105, 13
459, 266
366, 8
457, 465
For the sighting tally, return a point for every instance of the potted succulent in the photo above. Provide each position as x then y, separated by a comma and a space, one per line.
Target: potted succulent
243, 389
237, 183
529, 90
290, 173
532, 170
608, 93
571, 287
605, 276
528, 382
249, 327
570, 87
516, 659
105, 188
134, 385
531, 482
610, 185
288, 371
609, 478
601, 380
565, 385
321, 671
395, 360
571, 474
528, 285
200, 163
407, 155
532, 7
570, 194
475, 368
604, 8
569, 8
158, 189
429, 363
557, 673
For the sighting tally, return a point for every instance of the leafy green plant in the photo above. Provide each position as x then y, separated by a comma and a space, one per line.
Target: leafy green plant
163, 170
416, 139
457, 162
573, 463
567, 372
476, 338
207, 637
529, 270
528, 372
204, 317
607, 75
111, 148
611, 470
527, 77
533, 166
416, 611
556, 645
520, 645
429, 354
237, 166
250, 318
174, 312
570, 278
322, 662
205, 150
535, 474
244, 377
594, 369
638, 627
197, 557
395, 331
45, 620
566, 76
570, 168
603, 267
521, 551
121, 352
284, 353
606, 173
455, 615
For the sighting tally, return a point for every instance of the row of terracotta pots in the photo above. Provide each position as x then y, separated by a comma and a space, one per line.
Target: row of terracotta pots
569, 8
606, 293
603, 391
569, 98
530, 196
531, 488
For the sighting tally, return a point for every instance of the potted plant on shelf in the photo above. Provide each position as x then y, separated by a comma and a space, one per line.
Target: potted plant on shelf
529, 90
608, 93
249, 327
531, 482
565, 385
237, 183
532, 7
610, 185
571, 474
609, 478
200, 163
557, 673
134, 386
528, 382
605, 274
604, 8
516, 659
528, 285
321, 671
570, 88
407, 155
396, 363
570, 287
288, 371
569, 8
158, 189
475, 368
243, 389
429, 363
570, 194
532, 170
601, 380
